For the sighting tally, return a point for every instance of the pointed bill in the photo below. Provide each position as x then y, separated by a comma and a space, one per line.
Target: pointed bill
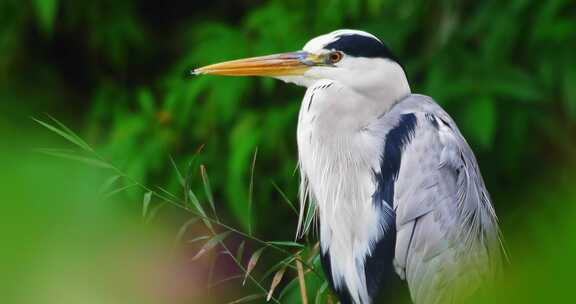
284, 64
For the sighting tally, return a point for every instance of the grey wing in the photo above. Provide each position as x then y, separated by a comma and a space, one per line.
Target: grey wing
447, 242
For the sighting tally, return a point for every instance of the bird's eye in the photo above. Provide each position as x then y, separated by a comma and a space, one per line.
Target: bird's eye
334, 57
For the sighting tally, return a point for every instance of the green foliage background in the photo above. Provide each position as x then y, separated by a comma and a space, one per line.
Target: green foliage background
115, 72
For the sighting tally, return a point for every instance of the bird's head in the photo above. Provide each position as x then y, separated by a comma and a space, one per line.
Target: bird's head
355, 59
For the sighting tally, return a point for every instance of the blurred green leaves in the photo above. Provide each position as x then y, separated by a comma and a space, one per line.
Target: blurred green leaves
46, 11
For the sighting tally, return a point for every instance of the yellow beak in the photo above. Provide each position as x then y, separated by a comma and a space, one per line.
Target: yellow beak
284, 64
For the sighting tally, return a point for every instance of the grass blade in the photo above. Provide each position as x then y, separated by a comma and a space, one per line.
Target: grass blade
198, 238
181, 179
210, 244
247, 299
113, 192
72, 133
287, 244
275, 281
208, 189
184, 228
286, 199
251, 191
76, 157
108, 184
65, 133
252, 263
155, 210
145, 203
240, 252
319, 293
196, 203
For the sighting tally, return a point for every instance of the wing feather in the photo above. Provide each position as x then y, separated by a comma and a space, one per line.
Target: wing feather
447, 241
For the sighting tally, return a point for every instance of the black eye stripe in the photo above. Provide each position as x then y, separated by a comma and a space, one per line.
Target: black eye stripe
361, 46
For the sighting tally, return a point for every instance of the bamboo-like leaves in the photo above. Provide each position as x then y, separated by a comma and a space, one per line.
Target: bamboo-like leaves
240, 251
208, 189
211, 244
65, 132
285, 198
196, 203
319, 293
252, 263
275, 281
286, 244
146, 203
71, 155
246, 299
184, 228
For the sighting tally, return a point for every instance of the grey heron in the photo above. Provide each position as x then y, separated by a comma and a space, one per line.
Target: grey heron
396, 188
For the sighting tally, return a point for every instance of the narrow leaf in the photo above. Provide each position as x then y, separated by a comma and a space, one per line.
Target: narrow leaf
198, 238
71, 137
83, 159
184, 228
247, 299
113, 192
196, 203
287, 244
211, 244
286, 199
251, 191
181, 179
154, 211
275, 281
240, 252
320, 291
222, 281
145, 203
73, 134
252, 263
208, 189
108, 184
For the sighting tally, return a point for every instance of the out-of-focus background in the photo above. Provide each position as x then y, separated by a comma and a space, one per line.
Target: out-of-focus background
114, 73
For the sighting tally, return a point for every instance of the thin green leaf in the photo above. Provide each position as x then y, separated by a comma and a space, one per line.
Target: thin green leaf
310, 212
196, 203
247, 299
288, 244
319, 293
172, 196
189, 171
75, 157
118, 190
69, 137
208, 189
220, 282
184, 228
181, 179
146, 203
240, 252
211, 244
286, 262
154, 212
251, 191
63, 127
286, 199
108, 184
